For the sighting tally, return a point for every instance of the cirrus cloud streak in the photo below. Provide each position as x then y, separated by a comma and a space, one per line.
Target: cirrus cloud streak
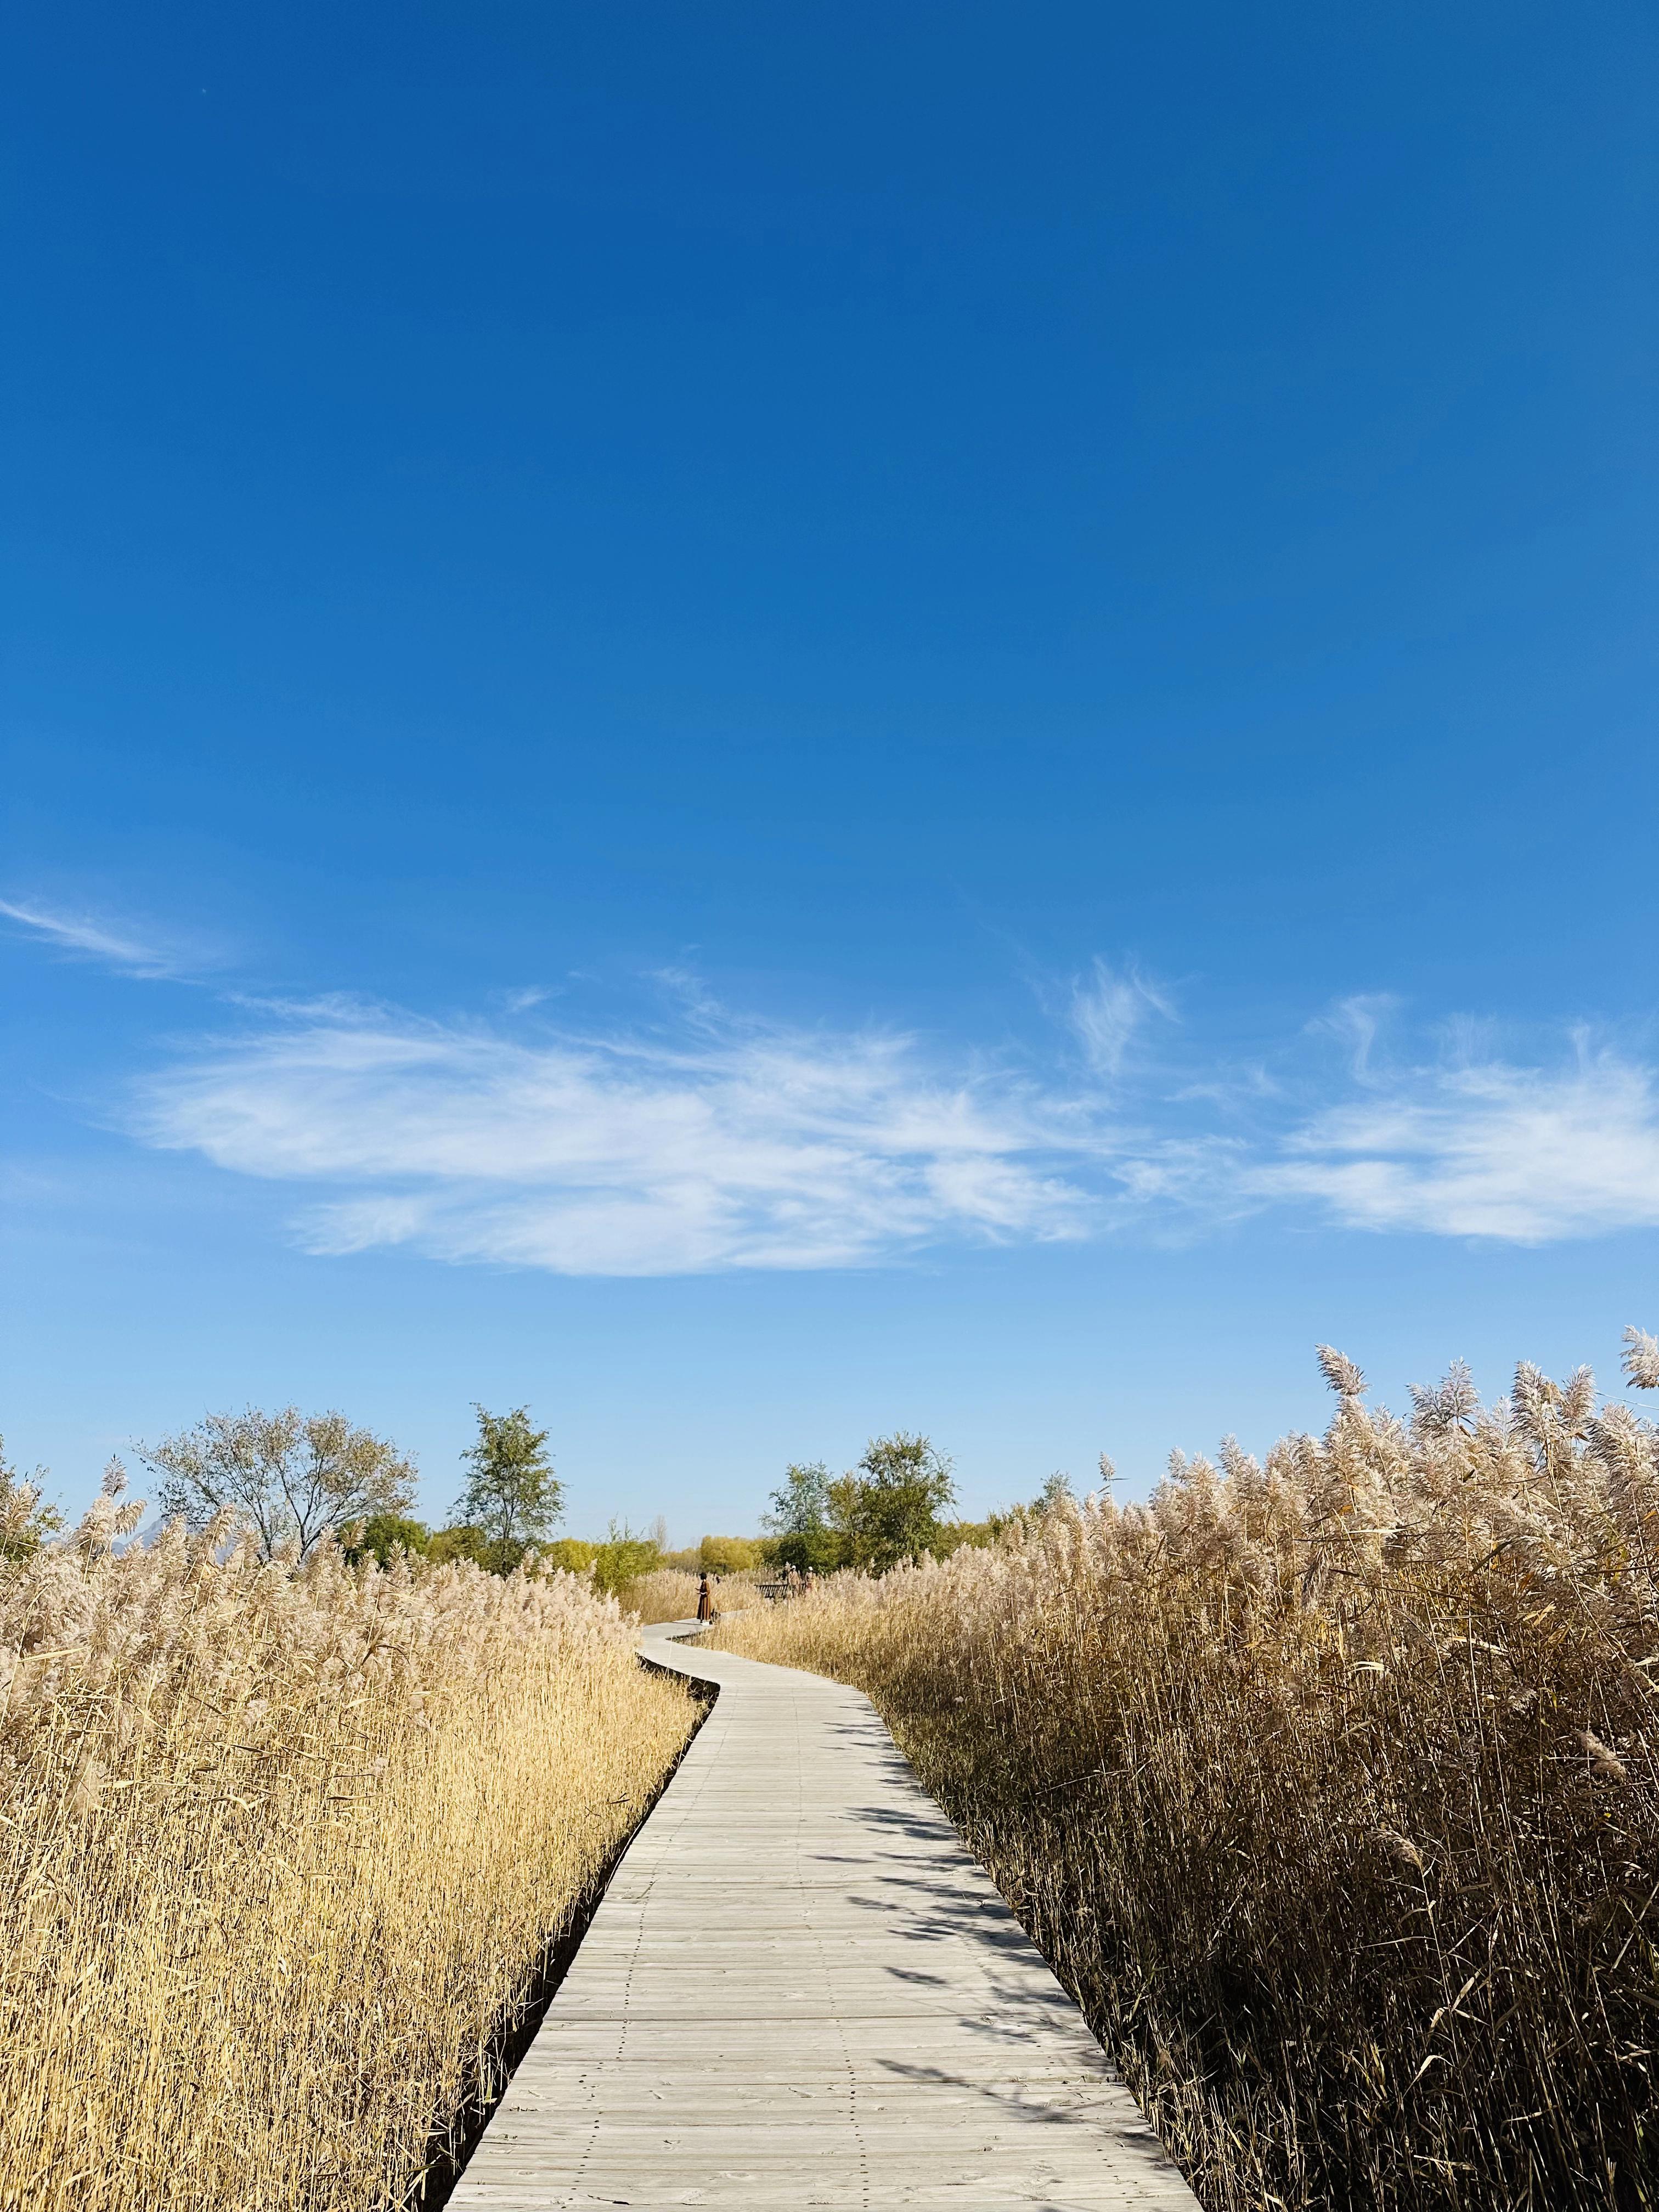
728, 1144
734, 1147
1527, 1155
116, 945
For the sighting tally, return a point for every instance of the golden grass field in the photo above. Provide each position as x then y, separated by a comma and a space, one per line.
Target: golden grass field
670, 1594
280, 1850
1330, 1785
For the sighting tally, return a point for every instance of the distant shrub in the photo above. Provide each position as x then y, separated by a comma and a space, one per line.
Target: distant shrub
446, 1546
496, 1555
729, 1555
382, 1534
953, 1535
623, 1559
568, 1555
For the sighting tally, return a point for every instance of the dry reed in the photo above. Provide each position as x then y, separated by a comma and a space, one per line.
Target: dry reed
281, 1849
670, 1594
1328, 1785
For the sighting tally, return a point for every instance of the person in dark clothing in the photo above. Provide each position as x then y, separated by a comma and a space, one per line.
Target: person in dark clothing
705, 1600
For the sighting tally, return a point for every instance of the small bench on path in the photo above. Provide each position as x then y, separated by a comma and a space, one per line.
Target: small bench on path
800, 1989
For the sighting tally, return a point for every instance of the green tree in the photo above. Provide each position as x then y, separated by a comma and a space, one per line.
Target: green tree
382, 1534
497, 1555
1056, 1490
888, 1509
963, 1536
448, 1545
512, 1496
728, 1555
570, 1555
623, 1559
801, 1520
844, 1505
290, 1478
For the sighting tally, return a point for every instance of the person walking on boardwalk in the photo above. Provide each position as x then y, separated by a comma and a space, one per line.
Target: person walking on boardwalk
705, 1600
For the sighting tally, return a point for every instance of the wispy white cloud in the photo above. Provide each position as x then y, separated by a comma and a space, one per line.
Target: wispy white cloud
113, 945
1109, 1008
1524, 1154
731, 1146
1356, 1023
723, 1142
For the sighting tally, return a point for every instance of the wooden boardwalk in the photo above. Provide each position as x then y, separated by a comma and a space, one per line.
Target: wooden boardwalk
800, 1989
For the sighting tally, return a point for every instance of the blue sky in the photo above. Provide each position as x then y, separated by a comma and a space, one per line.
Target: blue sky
761, 723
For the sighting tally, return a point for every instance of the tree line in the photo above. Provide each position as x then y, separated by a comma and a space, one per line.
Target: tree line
890, 1508
293, 1481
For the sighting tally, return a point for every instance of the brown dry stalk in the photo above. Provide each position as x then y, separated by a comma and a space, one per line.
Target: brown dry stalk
1330, 1785
280, 1850
670, 1594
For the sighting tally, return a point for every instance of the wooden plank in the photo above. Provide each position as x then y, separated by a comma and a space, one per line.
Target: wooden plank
801, 1989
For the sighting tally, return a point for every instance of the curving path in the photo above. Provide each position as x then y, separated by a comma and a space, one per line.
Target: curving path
801, 1989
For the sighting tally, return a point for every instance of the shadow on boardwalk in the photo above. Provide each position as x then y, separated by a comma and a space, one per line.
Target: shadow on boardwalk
801, 1989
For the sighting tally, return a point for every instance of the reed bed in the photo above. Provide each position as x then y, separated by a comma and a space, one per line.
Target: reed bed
1328, 1785
670, 1594
282, 1847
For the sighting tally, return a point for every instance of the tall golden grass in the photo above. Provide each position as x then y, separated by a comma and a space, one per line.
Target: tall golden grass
670, 1594
1329, 1785
281, 1849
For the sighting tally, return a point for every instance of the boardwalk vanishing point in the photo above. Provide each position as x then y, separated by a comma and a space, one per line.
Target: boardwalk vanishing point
800, 1989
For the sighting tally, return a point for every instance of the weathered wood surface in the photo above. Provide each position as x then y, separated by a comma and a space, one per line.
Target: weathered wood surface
801, 1989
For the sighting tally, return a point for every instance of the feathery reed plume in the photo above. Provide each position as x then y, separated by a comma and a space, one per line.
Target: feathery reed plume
282, 1845
1641, 1360
1330, 1784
